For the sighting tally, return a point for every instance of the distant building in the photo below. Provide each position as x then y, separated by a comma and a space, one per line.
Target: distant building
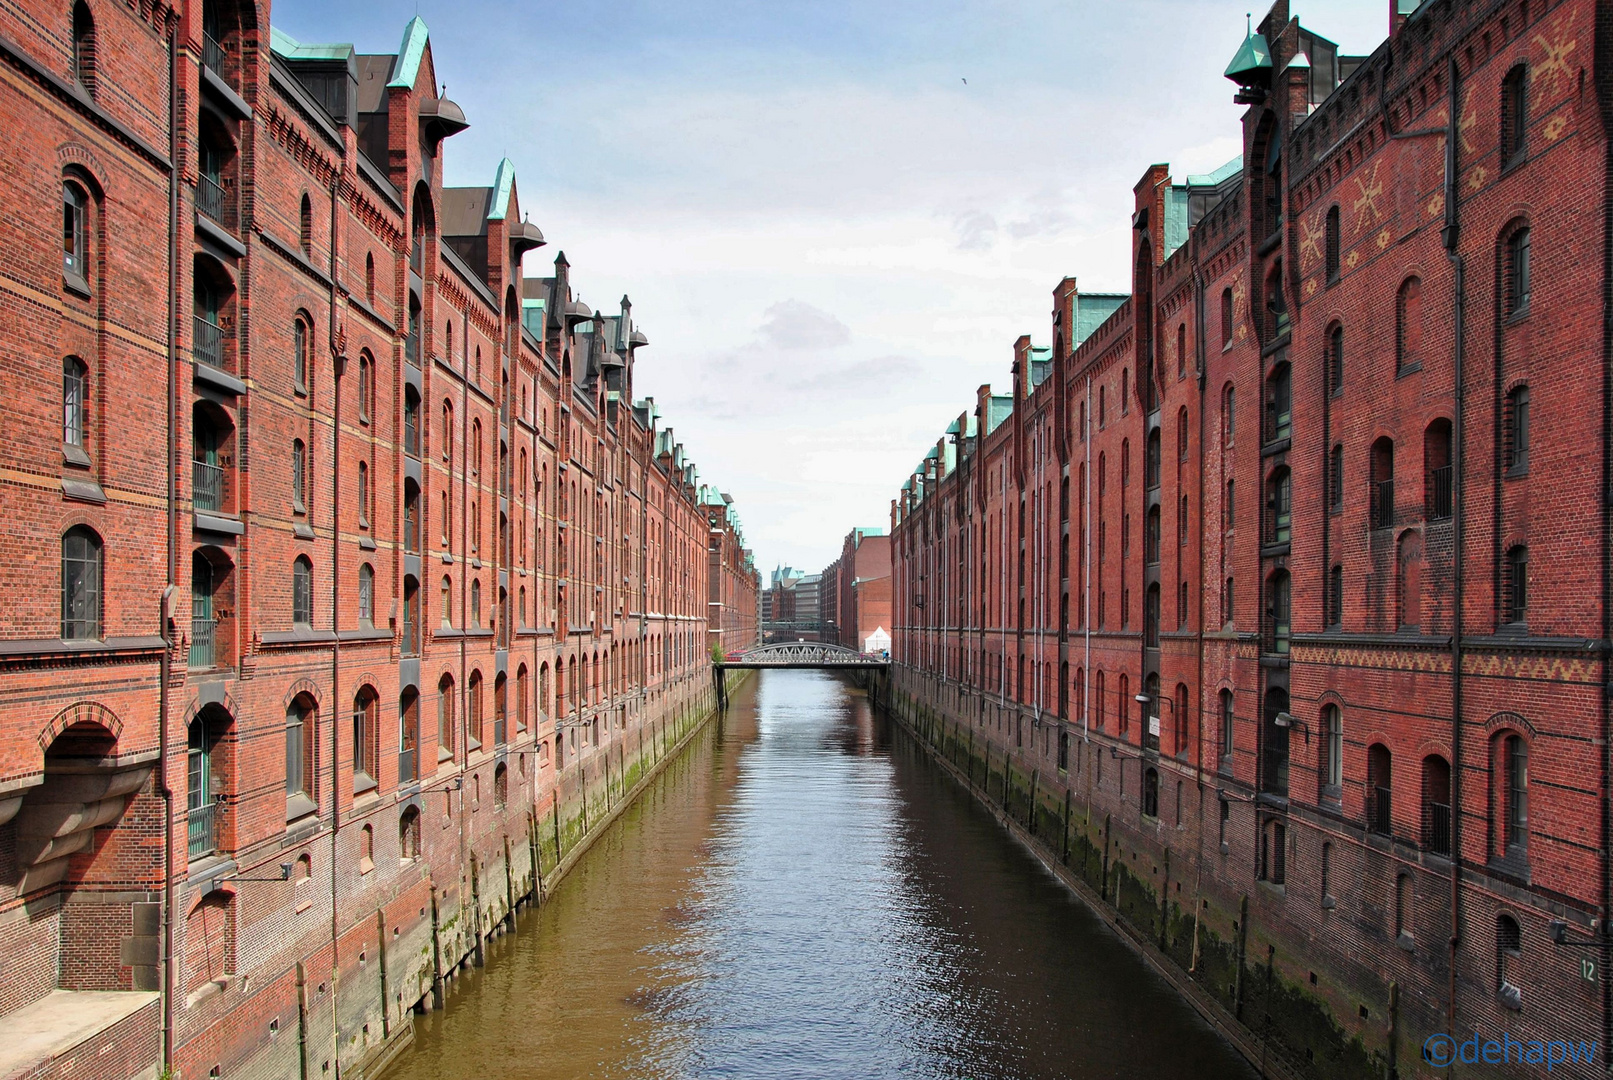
856, 594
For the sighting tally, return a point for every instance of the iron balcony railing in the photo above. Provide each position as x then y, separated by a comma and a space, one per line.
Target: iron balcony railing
212, 55
208, 346
1378, 817
1439, 493
1383, 504
203, 830
1437, 829
203, 634
207, 486
213, 200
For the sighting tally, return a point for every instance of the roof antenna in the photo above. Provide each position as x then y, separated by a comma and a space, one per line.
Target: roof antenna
1248, 24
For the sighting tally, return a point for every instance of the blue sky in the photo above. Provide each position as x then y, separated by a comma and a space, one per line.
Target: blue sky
829, 237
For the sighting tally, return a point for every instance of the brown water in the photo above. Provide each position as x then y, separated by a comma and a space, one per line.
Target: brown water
803, 894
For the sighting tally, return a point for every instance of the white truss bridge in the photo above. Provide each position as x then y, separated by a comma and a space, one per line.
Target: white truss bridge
803, 654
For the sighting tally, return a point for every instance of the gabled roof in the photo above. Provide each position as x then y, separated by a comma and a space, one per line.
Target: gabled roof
410, 53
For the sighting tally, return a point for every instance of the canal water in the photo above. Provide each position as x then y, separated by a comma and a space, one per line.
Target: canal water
804, 895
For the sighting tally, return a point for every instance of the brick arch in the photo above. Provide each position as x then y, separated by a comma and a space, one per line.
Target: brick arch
1433, 747
208, 889
227, 703
1331, 697
80, 712
302, 686
1506, 720
75, 155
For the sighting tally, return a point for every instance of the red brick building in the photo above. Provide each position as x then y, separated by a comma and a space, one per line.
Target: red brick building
732, 583
1285, 577
856, 592
350, 583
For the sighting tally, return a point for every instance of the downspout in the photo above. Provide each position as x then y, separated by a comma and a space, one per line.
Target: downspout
1450, 235
1086, 575
1606, 941
166, 608
338, 351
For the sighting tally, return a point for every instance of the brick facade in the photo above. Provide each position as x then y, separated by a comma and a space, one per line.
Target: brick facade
340, 550
1197, 577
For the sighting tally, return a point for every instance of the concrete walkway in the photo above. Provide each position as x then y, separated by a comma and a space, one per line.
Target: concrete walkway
60, 1021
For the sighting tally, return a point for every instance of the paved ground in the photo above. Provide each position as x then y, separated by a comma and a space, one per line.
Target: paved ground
60, 1021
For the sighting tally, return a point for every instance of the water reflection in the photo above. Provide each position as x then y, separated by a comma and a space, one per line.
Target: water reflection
803, 895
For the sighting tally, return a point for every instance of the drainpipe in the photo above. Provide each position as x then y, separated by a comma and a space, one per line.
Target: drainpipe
1606, 942
338, 351
1198, 742
166, 609
1086, 577
1450, 235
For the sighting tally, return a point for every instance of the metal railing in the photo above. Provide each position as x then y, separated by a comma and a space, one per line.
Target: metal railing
202, 828
203, 635
1383, 504
208, 346
1378, 816
1439, 493
207, 486
212, 54
1437, 828
213, 200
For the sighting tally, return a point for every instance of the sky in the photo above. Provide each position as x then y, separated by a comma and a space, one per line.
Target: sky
833, 219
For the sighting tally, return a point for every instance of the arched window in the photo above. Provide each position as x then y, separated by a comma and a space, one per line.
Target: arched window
1151, 792
363, 495
1151, 537
473, 709
1098, 698
1151, 616
445, 717
1279, 405
300, 742
366, 595
1227, 729
1380, 817
1515, 445
1335, 479
1332, 244
475, 604
1409, 326
84, 47
299, 476
411, 422
1335, 361
1152, 468
1509, 769
1410, 564
1515, 585
369, 278
1278, 618
75, 234
1180, 719
366, 709
75, 388
306, 227
1229, 413
522, 698
1515, 272
1333, 602
1226, 319
302, 337
1279, 506
447, 602
501, 785
411, 516
204, 785
302, 592
366, 386
448, 431
1181, 350
409, 834
1382, 481
1332, 769
1181, 434
1437, 804
408, 734
1514, 115
1103, 407
1508, 957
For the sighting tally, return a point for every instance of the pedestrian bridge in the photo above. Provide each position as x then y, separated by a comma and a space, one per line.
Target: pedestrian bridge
803, 654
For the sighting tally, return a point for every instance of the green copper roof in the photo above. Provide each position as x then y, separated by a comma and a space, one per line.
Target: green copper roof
503, 184
1092, 310
1251, 56
292, 49
1219, 176
1175, 219
410, 53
